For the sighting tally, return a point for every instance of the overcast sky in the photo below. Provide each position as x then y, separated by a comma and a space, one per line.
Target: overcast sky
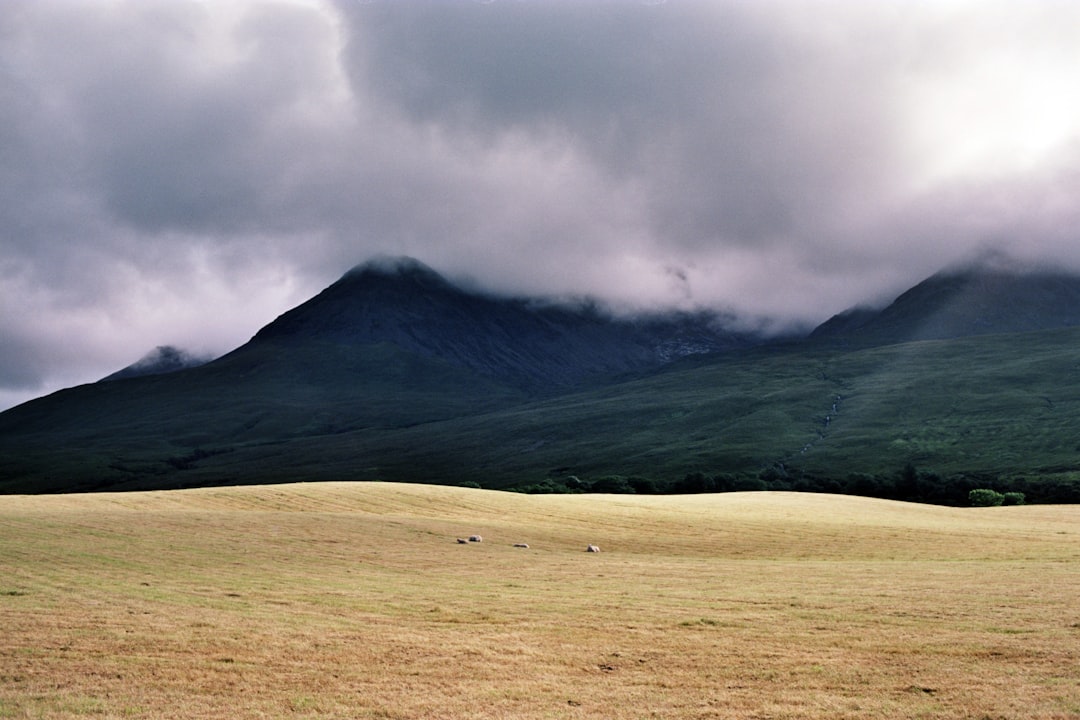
183, 171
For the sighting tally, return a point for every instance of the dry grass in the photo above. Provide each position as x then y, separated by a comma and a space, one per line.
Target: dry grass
354, 601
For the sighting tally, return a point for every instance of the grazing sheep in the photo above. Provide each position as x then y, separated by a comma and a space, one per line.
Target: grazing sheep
475, 538
592, 548
522, 545
462, 541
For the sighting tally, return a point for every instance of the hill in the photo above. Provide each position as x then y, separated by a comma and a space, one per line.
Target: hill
162, 359
391, 345
980, 412
395, 374
337, 600
536, 345
961, 303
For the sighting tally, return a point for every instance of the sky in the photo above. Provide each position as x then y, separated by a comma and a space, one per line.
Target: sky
181, 172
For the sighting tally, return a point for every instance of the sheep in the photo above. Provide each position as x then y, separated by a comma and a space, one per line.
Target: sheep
462, 541
475, 538
592, 548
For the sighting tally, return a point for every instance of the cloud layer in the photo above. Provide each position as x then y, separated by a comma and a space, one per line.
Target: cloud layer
180, 171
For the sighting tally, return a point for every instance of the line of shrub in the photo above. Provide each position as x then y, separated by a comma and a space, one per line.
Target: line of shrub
909, 485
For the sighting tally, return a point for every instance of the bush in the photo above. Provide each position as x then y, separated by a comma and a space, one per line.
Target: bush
574, 484
865, 485
984, 497
724, 482
545, 488
1013, 498
612, 484
643, 485
693, 483
747, 484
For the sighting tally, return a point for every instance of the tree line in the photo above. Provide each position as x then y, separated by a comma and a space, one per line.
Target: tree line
908, 484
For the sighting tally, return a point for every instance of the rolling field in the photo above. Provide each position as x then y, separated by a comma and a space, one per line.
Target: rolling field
353, 600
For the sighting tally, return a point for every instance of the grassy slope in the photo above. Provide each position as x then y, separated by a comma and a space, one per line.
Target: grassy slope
997, 405
109, 435
353, 601
1005, 405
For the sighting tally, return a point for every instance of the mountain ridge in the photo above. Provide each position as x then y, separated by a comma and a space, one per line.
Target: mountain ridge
963, 302
395, 373
530, 343
162, 359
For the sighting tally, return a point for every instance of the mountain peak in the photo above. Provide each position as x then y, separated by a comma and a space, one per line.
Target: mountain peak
995, 296
162, 359
995, 263
393, 265
397, 275
533, 345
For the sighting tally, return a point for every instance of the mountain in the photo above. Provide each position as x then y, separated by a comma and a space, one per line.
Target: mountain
392, 344
962, 303
395, 373
162, 359
537, 346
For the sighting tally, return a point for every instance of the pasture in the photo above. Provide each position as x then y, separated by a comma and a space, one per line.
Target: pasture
354, 600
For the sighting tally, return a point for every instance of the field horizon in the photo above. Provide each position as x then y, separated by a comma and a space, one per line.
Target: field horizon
346, 600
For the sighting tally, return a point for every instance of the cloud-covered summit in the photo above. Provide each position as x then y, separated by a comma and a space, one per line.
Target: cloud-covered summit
181, 172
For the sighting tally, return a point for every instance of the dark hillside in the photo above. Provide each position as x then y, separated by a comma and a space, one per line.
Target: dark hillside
138, 432
160, 360
997, 411
537, 346
390, 345
395, 374
961, 304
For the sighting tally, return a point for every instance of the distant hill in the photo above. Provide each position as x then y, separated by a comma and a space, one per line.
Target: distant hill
162, 359
394, 373
535, 345
962, 303
392, 344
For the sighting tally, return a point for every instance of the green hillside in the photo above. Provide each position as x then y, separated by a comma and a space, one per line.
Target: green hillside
923, 420
147, 432
996, 411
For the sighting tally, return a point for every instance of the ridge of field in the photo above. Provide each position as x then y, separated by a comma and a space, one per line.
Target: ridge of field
767, 524
335, 600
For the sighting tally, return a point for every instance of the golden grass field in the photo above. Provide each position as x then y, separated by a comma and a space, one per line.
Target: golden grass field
353, 600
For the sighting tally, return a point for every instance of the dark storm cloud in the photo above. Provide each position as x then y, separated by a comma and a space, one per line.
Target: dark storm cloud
190, 132
180, 172
710, 127
738, 130
145, 149
761, 143
686, 100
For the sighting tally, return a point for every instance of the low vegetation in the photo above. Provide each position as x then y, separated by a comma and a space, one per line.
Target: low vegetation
922, 421
354, 600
